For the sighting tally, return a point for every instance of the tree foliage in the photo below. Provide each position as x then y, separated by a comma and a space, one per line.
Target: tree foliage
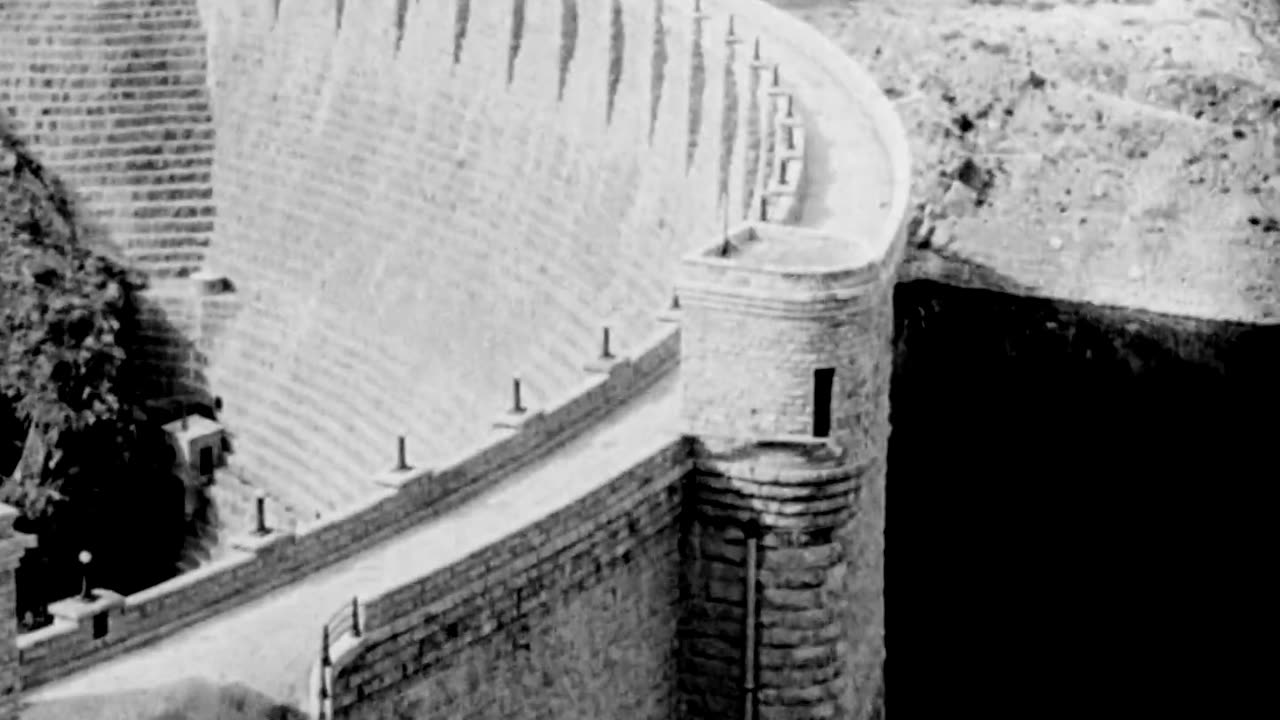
78, 449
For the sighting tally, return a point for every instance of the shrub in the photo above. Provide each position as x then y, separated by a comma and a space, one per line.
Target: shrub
80, 458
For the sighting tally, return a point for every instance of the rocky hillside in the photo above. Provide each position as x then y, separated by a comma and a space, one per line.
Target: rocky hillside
1113, 152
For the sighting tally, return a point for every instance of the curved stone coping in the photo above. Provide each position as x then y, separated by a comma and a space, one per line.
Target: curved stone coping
786, 270
848, 90
262, 563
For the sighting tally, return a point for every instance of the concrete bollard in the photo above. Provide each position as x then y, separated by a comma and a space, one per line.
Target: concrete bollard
606, 353
402, 459
260, 503
516, 405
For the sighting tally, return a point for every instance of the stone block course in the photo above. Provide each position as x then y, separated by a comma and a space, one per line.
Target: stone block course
568, 553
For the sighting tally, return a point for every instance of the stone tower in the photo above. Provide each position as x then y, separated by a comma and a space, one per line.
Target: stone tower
785, 362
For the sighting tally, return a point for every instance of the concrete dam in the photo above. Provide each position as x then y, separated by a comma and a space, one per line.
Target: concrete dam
550, 352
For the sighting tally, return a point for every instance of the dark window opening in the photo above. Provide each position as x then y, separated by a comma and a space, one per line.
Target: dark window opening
823, 379
99, 626
206, 461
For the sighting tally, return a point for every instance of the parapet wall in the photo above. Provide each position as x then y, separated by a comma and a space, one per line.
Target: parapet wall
260, 564
572, 617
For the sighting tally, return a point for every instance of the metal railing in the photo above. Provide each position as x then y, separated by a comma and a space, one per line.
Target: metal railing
347, 621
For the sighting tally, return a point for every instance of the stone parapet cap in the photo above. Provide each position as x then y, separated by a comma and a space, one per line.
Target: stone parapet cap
77, 608
772, 291
812, 305
607, 366
396, 479
59, 627
787, 253
511, 420
255, 543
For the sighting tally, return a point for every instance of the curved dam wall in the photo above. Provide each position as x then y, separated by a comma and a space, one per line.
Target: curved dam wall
773, 592
722, 142
419, 201
253, 565
415, 201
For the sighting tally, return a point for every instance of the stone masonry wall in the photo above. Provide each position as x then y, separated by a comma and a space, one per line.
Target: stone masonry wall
777, 339
572, 617
814, 506
110, 95
260, 564
862, 540
365, 163
799, 626
372, 164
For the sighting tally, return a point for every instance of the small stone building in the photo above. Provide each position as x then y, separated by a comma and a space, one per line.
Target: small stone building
198, 448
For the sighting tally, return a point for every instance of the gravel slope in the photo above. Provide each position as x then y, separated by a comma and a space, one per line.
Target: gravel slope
1114, 153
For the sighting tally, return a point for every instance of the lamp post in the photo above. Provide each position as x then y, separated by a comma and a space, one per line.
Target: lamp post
85, 558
